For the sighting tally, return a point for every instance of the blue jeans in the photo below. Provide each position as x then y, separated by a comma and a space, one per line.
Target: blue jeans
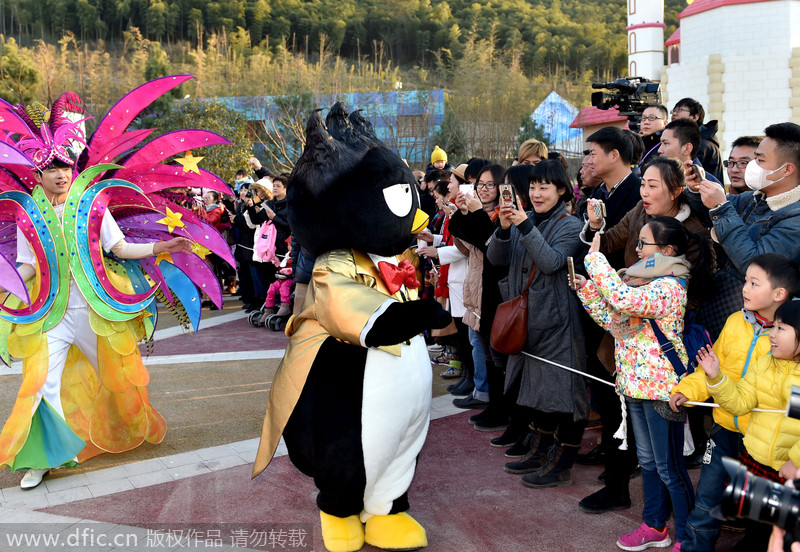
479, 360
702, 529
659, 446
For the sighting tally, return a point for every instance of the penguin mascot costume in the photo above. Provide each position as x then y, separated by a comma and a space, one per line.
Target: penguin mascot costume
352, 394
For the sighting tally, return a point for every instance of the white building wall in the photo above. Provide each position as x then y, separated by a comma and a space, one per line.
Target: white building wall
755, 42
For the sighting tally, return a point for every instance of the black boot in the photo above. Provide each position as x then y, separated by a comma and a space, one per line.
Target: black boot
514, 433
460, 382
556, 471
532, 461
523, 444
615, 495
466, 383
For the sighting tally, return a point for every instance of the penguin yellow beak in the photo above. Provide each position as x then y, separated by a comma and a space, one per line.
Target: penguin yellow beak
420, 221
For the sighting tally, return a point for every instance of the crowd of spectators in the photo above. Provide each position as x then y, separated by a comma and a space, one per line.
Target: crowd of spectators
659, 244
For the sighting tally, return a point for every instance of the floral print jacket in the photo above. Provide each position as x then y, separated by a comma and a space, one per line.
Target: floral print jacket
642, 371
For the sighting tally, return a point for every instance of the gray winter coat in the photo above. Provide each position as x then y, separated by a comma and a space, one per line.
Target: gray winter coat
554, 312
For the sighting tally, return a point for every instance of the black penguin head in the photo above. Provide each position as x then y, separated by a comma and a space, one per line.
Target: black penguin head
349, 191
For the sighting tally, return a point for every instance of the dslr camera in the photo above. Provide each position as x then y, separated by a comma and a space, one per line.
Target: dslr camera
628, 94
748, 496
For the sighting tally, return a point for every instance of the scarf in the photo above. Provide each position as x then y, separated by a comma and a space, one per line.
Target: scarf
538, 219
656, 266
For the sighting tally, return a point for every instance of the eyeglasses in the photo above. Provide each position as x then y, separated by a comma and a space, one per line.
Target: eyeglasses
679, 109
640, 244
651, 118
487, 185
741, 165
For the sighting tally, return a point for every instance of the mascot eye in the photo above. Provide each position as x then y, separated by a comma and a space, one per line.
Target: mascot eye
399, 199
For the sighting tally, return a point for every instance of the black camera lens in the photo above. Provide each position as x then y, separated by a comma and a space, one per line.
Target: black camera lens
248, 194
755, 498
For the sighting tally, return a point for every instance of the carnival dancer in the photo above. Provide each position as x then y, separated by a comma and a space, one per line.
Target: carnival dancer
80, 275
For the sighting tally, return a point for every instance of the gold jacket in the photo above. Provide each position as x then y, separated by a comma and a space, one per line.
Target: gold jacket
346, 289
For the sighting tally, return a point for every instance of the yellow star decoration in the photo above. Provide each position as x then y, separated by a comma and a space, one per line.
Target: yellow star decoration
164, 257
190, 162
200, 250
172, 220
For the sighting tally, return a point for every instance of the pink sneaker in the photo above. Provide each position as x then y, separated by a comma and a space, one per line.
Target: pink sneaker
645, 537
677, 547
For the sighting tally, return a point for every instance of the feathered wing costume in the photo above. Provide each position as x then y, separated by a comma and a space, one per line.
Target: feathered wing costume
117, 171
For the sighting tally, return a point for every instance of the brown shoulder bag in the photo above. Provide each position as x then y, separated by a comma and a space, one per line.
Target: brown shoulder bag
510, 326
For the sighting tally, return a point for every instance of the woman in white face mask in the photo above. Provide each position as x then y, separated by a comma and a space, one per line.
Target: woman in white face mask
765, 220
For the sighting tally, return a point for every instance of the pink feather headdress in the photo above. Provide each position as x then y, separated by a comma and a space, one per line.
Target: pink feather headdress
50, 138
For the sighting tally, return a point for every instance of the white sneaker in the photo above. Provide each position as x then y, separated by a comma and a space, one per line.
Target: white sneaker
435, 348
32, 478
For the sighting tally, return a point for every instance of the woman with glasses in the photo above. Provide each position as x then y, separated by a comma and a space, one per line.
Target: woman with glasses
474, 224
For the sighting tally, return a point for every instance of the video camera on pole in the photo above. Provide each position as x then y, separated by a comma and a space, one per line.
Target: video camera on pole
630, 95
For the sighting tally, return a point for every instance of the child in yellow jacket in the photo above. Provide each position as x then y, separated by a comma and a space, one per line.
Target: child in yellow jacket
770, 281
772, 440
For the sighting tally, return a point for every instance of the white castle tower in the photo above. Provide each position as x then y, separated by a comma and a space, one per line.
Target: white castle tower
645, 38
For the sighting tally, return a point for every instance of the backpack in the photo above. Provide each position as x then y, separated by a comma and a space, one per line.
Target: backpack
264, 244
695, 337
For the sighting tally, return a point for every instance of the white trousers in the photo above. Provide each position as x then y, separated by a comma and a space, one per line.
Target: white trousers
74, 329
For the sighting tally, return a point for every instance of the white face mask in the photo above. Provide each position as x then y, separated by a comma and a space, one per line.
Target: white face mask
756, 178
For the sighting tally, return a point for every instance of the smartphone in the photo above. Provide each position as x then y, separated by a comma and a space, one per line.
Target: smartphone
571, 273
467, 189
507, 195
600, 210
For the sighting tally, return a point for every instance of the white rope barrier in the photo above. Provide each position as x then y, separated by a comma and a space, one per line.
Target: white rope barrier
605, 382
584, 374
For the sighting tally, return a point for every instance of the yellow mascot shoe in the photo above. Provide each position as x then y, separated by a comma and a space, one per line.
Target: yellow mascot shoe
342, 534
395, 532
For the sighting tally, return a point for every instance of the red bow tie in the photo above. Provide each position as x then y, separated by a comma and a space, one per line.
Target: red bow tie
397, 276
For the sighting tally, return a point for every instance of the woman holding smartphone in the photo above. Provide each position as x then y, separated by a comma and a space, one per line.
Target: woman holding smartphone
474, 224
662, 195
535, 246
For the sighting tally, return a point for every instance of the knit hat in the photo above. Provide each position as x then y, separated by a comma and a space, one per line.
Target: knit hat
438, 155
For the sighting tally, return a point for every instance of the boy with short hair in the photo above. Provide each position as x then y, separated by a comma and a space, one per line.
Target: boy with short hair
770, 281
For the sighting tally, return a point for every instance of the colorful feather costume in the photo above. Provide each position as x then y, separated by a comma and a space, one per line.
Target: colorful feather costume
104, 410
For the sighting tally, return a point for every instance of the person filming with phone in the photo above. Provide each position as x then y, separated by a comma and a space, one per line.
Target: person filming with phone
550, 402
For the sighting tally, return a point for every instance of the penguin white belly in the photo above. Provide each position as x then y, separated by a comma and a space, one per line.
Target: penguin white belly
394, 420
